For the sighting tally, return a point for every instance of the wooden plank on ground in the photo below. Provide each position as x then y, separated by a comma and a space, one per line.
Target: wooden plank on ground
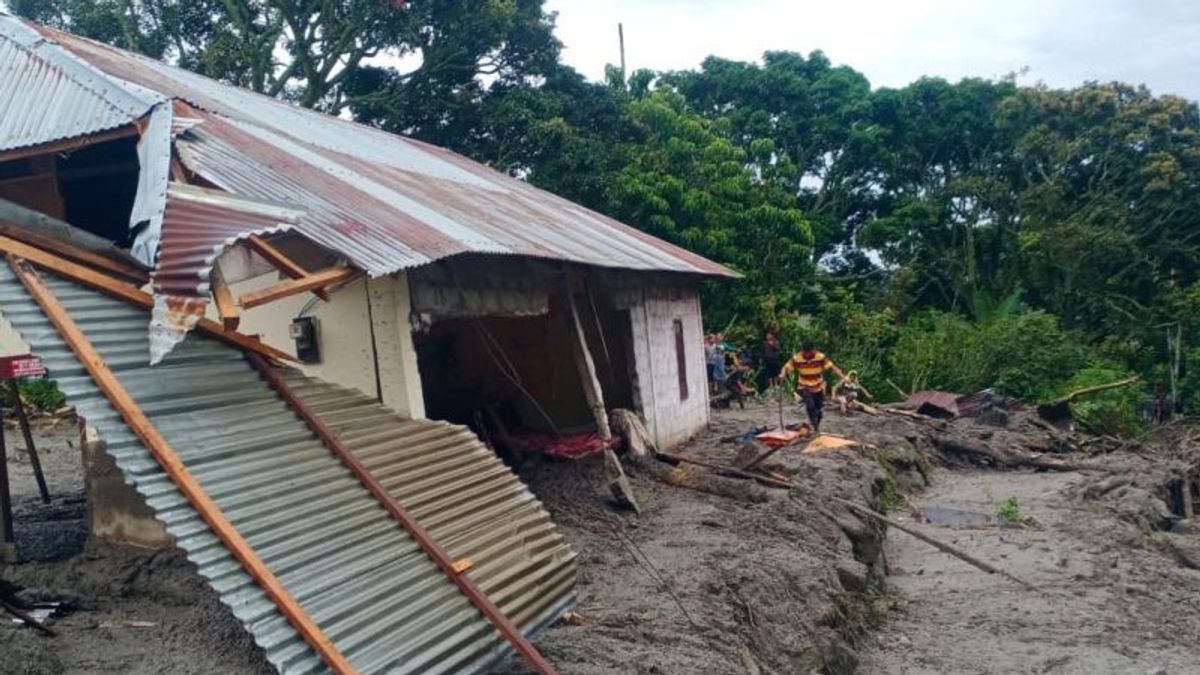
173, 465
283, 263
326, 277
122, 291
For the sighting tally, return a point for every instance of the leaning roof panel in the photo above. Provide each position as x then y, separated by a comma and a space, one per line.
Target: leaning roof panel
384, 201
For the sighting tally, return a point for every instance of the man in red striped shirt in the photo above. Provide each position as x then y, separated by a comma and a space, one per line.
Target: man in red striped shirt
810, 365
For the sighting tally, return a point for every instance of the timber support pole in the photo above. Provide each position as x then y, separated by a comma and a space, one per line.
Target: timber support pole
618, 482
166, 456
453, 569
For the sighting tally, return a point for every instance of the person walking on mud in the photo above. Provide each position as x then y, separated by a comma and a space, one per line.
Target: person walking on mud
810, 365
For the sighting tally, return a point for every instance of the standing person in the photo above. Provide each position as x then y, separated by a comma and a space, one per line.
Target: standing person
810, 365
770, 361
710, 357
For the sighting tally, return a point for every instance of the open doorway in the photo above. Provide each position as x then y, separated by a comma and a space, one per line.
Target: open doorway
521, 371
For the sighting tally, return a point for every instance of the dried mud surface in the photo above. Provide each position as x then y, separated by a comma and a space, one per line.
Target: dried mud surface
782, 586
790, 583
777, 585
1117, 586
1107, 601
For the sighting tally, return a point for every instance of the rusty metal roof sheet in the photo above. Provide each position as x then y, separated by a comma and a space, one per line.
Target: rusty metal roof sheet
199, 225
371, 589
385, 202
50, 95
467, 498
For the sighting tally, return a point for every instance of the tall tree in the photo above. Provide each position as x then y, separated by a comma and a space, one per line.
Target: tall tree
410, 65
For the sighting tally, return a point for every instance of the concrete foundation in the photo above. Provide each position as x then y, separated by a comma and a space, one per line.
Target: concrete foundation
117, 514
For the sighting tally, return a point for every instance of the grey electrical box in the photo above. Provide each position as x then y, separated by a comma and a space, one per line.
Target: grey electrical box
305, 331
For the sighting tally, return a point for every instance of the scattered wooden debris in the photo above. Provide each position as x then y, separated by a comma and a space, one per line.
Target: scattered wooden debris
1007, 458
939, 545
26, 618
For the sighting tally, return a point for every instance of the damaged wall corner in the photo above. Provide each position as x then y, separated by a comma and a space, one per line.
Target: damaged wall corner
364, 325
117, 514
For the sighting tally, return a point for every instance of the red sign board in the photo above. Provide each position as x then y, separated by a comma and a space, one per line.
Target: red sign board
26, 365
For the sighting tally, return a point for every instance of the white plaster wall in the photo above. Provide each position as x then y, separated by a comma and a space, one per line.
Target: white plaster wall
669, 419
345, 335
11, 343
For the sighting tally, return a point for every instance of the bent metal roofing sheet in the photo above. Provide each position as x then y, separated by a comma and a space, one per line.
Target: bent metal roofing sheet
50, 95
372, 590
385, 202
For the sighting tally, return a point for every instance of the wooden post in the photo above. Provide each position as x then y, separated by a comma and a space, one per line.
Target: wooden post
586, 367
618, 483
8, 548
35, 462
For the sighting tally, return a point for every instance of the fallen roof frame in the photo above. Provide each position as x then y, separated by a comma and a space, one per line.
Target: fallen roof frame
171, 463
451, 568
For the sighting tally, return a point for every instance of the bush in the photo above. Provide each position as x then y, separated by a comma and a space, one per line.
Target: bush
1113, 411
40, 394
1026, 355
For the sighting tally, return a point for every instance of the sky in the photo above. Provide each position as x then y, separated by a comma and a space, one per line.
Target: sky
893, 42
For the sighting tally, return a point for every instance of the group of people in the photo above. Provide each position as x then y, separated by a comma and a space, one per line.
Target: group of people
729, 369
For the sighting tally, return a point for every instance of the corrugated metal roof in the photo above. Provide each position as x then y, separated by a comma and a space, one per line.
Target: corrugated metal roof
198, 225
372, 590
50, 95
384, 201
464, 495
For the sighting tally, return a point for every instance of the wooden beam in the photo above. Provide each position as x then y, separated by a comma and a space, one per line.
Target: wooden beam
69, 144
120, 269
134, 296
326, 277
283, 263
618, 482
226, 306
174, 467
450, 567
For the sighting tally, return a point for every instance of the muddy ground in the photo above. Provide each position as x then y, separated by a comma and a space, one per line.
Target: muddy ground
767, 581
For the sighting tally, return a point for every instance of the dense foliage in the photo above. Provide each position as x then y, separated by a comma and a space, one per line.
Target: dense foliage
958, 235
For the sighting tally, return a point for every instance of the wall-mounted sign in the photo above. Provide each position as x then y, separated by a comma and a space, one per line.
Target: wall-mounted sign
16, 367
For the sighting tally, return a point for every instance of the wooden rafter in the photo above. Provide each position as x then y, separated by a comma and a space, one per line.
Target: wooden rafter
326, 277
173, 465
69, 144
121, 270
223, 297
134, 296
283, 263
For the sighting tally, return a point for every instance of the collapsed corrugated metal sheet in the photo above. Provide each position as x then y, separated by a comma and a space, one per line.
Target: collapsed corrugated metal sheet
467, 498
372, 590
199, 225
49, 95
384, 201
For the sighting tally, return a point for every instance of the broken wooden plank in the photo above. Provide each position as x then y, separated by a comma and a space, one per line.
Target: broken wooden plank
320, 279
721, 468
122, 291
281, 261
27, 619
122, 270
939, 545
227, 308
174, 467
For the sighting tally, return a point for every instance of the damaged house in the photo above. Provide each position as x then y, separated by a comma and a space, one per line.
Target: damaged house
289, 332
